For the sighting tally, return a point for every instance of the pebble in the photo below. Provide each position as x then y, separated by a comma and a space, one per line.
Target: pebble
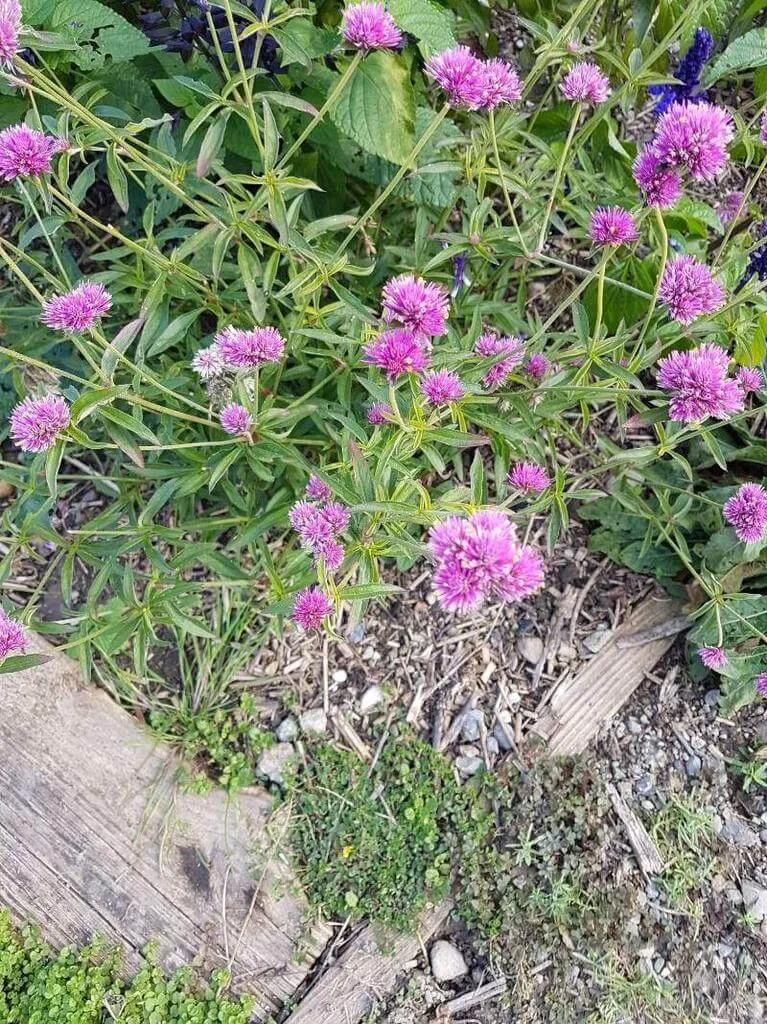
595, 641
468, 765
357, 633
471, 726
643, 785
313, 721
287, 730
273, 761
763, 835
370, 699
736, 833
447, 962
493, 747
693, 766
530, 648
712, 698
754, 899
340, 675
634, 727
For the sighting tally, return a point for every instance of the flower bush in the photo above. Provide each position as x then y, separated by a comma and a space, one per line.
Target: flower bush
296, 293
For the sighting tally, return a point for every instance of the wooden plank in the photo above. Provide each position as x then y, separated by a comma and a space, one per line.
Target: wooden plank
368, 970
97, 838
580, 705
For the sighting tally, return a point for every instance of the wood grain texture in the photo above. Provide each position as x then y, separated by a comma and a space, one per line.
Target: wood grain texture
580, 705
368, 970
96, 838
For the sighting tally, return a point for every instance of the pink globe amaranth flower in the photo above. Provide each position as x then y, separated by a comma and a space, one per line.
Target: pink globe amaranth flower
439, 387
713, 657
689, 289
36, 422
662, 187
501, 84
585, 83
488, 345
318, 524
396, 352
763, 128
460, 74
77, 310
235, 419
749, 378
695, 136
13, 637
699, 384
537, 366
26, 153
612, 225
332, 554
528, 477
761, 684
379, 414
10, 24
336, 516
420, 305
746, 512
369, 26
208, 363
311, 607
480, 558
317, 490
246, 350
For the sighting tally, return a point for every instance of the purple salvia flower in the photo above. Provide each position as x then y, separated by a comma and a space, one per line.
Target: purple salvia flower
528, 477
585, 83
512, 348
699, 384
500, 84
13, 637
420, 305
26, 153
689, 289
10, 24
369, 26
713, 657
749, 378
379, 414
746, 512
397, 352
246, 350
77, 310
35, 423
694, 136
459, 74
311, 607
688, 74
537, 366
317, 490
207, 362
439, 387
662, 187
612, 225
235, 419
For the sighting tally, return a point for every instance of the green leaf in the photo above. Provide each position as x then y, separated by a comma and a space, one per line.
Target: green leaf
301, 41
187, 623
100, 32
749, 51
368, 590
433, 26
18, 662
117, 178
377, 109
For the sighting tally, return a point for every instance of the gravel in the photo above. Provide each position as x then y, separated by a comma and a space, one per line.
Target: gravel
447, 962
274, 760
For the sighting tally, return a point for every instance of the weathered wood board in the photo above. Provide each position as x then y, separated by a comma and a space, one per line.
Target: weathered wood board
580, 705
97, 839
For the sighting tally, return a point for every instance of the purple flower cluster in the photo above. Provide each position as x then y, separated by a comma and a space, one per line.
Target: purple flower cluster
77, 310
612, 225
440, 387
760, 682
472, 83
699, 384
369, 26
746, 512
36, 422
379, 414
311, 607
319, 524
528, 477
10, 24
235, 419
689, 289
13, 639
26, 153
419, 305
397, 352
247, 350
688, 74
749, 378
585, 83
479, 558
537, 366
513, 351
713, 657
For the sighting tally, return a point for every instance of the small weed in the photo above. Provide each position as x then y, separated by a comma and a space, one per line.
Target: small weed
751, 767
683, 833
634, 996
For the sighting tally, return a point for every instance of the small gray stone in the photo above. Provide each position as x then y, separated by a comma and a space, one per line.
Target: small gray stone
447, 962
693, 766
763, 835
754, 899
493, 747
644, 785
370, 699
712, 698
471, 726
500, 737
595, 641
530, 648
736, 833
634, 727
287, 730
356, 633
273, 761
340, 675
313, 721
468, 765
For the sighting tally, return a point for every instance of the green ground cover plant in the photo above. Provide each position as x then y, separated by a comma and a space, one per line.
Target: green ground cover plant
270, 319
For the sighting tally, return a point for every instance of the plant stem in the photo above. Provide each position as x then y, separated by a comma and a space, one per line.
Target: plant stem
333, 95
48, 239
600, 295
501, 178
255, 131
560, 173
731, 226
654, 300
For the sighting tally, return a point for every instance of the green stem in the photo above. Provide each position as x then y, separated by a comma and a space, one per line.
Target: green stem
333, 95
731, 226
560, 173
600, 296
41, 225
654, 300
255, 131
502, 179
